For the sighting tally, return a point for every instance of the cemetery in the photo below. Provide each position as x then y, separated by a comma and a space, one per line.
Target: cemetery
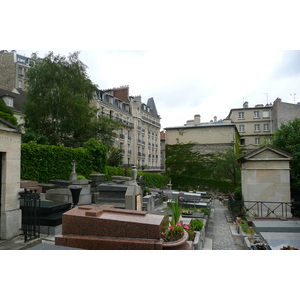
119, 215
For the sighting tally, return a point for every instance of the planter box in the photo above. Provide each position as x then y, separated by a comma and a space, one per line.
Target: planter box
241, 232
197, 241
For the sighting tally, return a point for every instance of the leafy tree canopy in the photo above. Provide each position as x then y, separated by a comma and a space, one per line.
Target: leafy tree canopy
58, 97
287, 138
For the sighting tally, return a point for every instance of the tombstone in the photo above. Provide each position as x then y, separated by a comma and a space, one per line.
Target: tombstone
96, 180
134, 194
64, 194
10, 154
73, 175
108, 228
266, 178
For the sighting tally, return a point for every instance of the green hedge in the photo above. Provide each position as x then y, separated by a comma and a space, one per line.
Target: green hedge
150, 179
188, 183
154, 180
43, 163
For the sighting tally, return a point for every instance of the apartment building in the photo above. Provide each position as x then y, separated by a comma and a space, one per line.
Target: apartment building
139, 137
283, 112
254, 125
162, 149
13, 69
212, 137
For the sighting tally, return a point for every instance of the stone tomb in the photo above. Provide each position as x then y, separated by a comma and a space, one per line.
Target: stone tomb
107, 228
277, 240
276, 226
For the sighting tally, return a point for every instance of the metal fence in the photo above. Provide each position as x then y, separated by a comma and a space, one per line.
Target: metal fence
30, 214
261, 208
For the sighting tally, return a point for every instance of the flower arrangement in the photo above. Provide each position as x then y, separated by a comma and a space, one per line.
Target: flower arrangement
245, 227
288, 248
187, 211
173, 233
259, 244
175, 229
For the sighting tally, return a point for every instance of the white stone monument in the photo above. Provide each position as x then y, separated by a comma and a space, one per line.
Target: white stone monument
266, 178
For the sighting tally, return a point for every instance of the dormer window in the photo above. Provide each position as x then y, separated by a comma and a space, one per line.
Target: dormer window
9, 101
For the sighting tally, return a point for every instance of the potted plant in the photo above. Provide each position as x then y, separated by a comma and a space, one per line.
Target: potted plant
174, 236
197, 225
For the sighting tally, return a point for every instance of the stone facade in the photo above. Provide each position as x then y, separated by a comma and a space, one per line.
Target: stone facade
210, 137
266, 178
284, 112
254, 125
8, 70
140, 133
10, 155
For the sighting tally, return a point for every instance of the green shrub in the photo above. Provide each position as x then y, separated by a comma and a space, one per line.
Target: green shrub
197, 224
7, 117
43, 162
189, 183
154, 180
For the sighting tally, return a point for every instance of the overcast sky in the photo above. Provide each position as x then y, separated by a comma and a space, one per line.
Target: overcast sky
185, 83
201, 57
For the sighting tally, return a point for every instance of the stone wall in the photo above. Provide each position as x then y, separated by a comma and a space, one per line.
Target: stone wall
211, 148
10, 149
7, 71
284, 112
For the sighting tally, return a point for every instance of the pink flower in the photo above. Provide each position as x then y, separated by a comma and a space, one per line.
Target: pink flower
186, 227
171, 228
238, 219
179, 224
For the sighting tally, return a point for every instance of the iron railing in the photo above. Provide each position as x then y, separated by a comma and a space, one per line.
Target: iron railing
30, 214
267, 209
261, 208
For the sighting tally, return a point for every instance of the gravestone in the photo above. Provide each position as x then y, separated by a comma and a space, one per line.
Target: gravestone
134, 194
276, 226
277, 240
108, 228
73, 175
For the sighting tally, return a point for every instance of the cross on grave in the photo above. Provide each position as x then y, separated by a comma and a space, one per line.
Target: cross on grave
98, 211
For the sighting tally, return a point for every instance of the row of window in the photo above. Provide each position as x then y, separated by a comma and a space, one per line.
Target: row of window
257, 115
257, 128
257, 141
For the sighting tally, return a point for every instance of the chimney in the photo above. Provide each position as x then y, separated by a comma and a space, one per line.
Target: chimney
215, 119
197, 119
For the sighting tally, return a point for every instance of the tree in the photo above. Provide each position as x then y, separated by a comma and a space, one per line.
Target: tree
182, 159
227, 167
104, 129
7, 114
58, 100
115, 157
287, 138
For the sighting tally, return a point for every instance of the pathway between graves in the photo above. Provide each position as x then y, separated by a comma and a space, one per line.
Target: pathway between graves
219, 230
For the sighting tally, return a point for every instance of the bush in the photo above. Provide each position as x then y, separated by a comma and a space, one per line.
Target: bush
43, 163
189, 183
197, 224
7, 117
154, 180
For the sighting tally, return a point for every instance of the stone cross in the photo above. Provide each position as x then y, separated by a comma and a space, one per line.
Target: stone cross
73, 175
